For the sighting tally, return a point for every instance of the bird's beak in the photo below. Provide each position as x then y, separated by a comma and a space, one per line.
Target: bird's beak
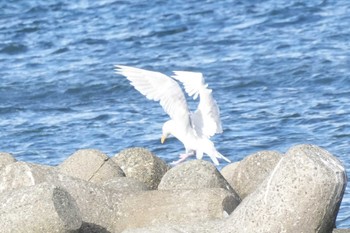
162, 140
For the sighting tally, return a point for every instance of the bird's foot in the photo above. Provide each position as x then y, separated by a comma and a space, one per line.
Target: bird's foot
182, 158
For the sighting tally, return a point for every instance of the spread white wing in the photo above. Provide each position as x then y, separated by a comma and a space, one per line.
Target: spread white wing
206, 119
158, 87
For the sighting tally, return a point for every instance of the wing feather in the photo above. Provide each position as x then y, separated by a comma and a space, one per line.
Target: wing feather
206, 119
158, 87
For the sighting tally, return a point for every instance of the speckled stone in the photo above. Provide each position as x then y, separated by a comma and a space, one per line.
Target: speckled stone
5, 159
302, 194
158, 207
125, 184
341, 231
245, 176
195, 174
22, 174
210, 226
98, 205
142, 165
90, 165
39, 208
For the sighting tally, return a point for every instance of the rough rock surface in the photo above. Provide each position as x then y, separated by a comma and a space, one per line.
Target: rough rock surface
142, 165
97, 204
341, 231
195, 174
211, 226
125, 184
97, 166
245, 176
21, 174
6, 159
175, 206
302, 194
39, 208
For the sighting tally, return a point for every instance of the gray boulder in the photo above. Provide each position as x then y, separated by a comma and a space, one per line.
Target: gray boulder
160, 207
105, 210
125, 184
301, 194
210, 226
6, 159
195, 174
142, 165
97, 205
90, 165
22, 174
39, 208
245, 176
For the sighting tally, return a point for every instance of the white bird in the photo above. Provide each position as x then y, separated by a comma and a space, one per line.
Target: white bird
193, 129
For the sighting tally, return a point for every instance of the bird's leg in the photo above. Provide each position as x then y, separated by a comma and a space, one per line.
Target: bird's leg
182, 157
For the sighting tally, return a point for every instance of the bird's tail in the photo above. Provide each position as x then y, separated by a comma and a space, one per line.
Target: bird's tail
208, 148
214, 155
220, 156
217, 155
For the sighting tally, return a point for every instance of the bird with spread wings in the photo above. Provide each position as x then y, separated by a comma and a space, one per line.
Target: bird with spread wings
193, 129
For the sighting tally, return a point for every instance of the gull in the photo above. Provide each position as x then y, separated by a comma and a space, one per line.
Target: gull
193, 129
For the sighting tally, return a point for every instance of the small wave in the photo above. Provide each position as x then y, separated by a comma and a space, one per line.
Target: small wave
14, 48
168, 32
29, 29
93, 41
61, 50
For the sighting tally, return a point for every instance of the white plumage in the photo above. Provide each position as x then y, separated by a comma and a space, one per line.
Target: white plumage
193, 129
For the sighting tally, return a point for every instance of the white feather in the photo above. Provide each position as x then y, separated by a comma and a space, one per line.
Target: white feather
206, 118
192, 129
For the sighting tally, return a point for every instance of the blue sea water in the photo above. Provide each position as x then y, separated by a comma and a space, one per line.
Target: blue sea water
279, 70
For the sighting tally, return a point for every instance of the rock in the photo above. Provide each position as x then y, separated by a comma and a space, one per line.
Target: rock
5, 159
200, 227
98, 205
142, 165
21, 174
302, 194
39, 208
175, 206
125, 184
228, 173
245, 176
105, 210
97, 167
341, 231
195, 174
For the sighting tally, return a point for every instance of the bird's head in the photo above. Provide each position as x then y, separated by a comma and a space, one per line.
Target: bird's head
166, 130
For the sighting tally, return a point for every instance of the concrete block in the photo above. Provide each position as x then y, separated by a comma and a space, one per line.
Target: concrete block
195, 174
39, 208
302, 194
341, 231
90, 165
245, 176
125, 184
142, 165
160, 207
97, 204
5, 159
